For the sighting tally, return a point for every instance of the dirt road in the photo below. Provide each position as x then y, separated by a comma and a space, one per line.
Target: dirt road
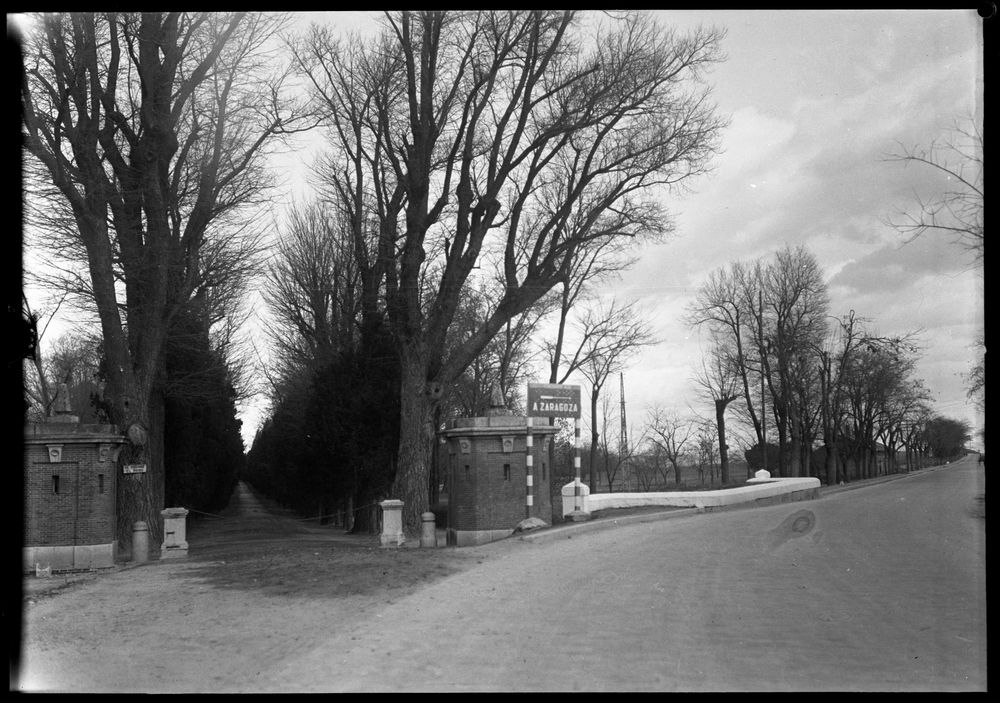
259, 587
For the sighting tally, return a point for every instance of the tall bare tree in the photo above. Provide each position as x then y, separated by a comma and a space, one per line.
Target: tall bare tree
796, 302
312, 290
507, 136
730, 304
719, 381
150, 130
769, 315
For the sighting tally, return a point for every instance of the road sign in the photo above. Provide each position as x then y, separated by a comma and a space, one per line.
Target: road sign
135, 468
553, 400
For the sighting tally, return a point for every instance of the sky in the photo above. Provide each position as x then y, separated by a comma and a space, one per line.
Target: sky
816, 100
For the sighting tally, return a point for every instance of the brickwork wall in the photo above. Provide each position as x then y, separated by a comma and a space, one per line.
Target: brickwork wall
486, 497
83, 510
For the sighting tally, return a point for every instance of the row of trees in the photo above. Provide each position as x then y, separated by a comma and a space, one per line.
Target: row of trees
805, 375
146, 135
476, 160
483, 169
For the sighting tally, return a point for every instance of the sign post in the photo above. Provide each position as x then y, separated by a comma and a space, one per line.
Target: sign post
556, 400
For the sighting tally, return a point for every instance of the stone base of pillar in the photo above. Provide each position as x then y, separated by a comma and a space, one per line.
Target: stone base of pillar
175, 543
392, 524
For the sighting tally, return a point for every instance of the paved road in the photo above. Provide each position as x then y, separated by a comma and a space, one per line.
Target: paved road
877, 588
880, 588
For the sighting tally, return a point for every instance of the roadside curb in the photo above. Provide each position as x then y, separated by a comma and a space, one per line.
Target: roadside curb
566, 531
878, 480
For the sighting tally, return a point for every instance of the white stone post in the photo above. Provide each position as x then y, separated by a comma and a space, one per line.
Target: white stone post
428, 534
174, 533
575, 496
140, 542
392, 523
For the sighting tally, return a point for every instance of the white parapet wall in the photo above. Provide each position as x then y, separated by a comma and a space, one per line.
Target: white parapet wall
757, 490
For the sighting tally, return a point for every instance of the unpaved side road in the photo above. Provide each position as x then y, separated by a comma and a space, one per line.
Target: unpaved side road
876, 589
259, 586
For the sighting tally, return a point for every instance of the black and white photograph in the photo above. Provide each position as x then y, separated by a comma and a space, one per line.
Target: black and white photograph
499, 351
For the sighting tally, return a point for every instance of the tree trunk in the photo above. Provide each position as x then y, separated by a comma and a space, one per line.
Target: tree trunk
720, 421
593, 440
830, 462
140, 495
413, 459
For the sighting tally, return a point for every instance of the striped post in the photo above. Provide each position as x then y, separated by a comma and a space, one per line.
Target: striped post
576, 465
528, 463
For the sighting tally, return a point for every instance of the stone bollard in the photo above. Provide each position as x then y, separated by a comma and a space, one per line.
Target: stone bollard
174, 533
428, 534
392, 523
140, 542
573, 493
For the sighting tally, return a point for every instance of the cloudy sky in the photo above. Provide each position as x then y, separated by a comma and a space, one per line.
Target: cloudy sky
816, 100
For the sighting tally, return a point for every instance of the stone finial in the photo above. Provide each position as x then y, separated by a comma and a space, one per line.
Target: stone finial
61, 410
498, 406
62, 405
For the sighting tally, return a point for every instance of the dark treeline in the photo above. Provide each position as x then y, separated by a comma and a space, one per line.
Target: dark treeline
327, 447
203, 447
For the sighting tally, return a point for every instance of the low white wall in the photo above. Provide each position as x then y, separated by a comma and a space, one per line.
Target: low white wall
756, 489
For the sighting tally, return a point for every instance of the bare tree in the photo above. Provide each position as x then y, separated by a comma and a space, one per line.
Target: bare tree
730, 304
598, 262
611, 334
39, 394
976, 378
670, 434
719, 381
506, 363
71, 363
614, 460
312, 290
151, 130
474, 136
958, 211
797, 302
768, 316
706, 443
880, 372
